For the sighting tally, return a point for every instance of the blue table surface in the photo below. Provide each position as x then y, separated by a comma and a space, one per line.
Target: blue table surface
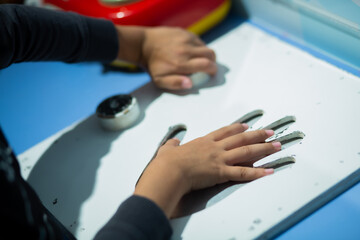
39, 99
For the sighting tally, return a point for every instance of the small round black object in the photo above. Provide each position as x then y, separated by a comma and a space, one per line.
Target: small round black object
113, 105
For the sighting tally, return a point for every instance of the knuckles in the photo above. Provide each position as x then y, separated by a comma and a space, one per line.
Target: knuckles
247, 150
243, 174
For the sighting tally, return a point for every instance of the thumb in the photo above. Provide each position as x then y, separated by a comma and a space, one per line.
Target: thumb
173, 142
173, 82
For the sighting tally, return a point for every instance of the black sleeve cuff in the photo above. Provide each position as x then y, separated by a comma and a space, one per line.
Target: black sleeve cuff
137, 218
103, 41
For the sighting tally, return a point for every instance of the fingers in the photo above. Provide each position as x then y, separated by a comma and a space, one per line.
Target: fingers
179, 81
250, 163
228, 131
245, 174
195, 40
171, 54
191, 38
248, 152
202, 52
173, 82
199, 64
172, 142
247, 138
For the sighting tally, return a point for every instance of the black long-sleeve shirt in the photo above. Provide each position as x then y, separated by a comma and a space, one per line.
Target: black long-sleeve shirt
34, 34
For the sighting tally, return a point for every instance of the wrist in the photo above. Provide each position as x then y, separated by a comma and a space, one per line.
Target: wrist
131, 40
163, 185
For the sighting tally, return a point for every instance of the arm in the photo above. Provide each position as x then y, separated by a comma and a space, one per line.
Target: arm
137, 218
35, 34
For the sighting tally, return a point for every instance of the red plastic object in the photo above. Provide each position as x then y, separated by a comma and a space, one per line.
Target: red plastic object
180, 13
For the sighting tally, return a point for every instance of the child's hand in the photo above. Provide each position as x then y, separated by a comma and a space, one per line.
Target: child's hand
224, 155
169, 54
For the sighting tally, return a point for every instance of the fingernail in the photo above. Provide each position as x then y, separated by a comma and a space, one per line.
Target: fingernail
277, 145
269, 132
245, 126
186, 83
269, 171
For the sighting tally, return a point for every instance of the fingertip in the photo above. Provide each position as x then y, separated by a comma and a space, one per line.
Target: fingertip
211, 67
213, 55
186, 83
268, 171
277, 145
214, 68
173, 141
174, 82
245, 126
269, 132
